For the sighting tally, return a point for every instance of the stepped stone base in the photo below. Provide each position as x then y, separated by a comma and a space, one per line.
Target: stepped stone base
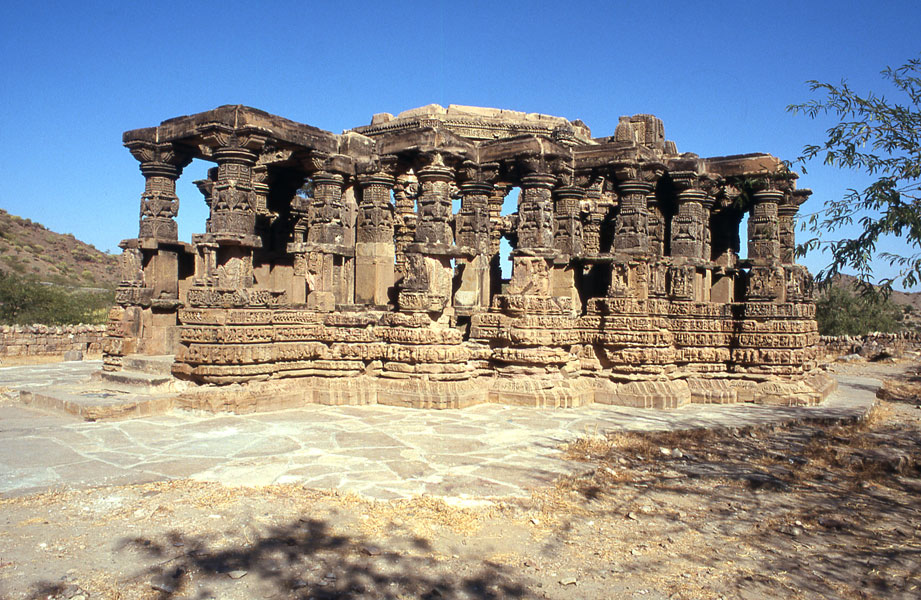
149, 390
94, 404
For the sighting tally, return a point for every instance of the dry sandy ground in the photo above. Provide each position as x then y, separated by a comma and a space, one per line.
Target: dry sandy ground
806, 511
16, 361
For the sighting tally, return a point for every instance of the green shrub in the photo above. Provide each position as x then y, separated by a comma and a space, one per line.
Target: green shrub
840, 311
25, 301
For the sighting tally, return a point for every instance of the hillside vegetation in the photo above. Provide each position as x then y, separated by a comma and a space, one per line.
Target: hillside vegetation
30, 250
51, 278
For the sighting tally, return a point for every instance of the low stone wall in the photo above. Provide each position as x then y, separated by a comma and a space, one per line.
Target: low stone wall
49, 340
872, 345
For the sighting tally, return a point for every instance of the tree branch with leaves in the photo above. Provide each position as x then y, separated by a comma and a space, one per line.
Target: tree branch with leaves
880, 137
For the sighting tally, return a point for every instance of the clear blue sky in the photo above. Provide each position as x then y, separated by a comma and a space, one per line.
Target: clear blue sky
75, 75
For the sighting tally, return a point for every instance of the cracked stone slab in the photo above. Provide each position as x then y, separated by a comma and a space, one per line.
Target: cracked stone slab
380, 452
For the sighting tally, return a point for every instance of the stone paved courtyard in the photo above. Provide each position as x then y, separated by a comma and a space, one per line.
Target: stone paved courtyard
374, 451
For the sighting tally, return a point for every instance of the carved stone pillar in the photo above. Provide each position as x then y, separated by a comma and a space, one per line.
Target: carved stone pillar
474, 235
655, 225
161, 165
473, 221
631, 223
327, 268
233, 200
766, 277
786, 222
404, 226
150, 287
568, 238
496, 200
374, 246
325, 216
260, 190
591, 231
689, 222
434, 211
531, 260
535, 212
427, 283
763, 226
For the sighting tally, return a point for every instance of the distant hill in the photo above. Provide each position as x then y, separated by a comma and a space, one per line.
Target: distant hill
29, 249
912, 299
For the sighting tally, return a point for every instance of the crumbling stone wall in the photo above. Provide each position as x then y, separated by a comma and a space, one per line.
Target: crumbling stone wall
871, 346
367, 265
47, 340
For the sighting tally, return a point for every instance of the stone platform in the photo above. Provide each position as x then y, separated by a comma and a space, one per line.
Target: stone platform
378, 451
144, 387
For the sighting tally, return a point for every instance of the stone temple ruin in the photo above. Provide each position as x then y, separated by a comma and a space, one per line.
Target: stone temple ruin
365, 267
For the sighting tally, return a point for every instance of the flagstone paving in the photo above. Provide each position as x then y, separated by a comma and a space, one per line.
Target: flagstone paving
375, 451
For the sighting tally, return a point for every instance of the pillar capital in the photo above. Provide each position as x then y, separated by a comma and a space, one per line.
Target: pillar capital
539, 180
379, 178
161, 165
245, 143
157, 157
433, 173
323, 163
473, 172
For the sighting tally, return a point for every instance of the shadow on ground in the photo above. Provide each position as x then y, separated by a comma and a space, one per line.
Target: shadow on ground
808, 510
302, 559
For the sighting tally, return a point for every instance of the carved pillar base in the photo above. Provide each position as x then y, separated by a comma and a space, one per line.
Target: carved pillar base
530, 275
722, 289
474, 290
428, 281
563, 285
629, 280
374, 273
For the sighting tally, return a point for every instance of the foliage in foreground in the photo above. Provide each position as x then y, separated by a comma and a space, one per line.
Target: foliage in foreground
880, 137
24, 301
839, 311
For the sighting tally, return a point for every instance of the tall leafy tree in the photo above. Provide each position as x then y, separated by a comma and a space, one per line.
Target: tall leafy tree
881, 137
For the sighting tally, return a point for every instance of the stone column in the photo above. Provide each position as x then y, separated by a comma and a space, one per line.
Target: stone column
325, 233
233, 217
591, 231
404, 195
567, 242
531, 259
633, 185
474, 235
764, 225
535, 211
568, 238
233, 201
149, 291
434, 204
766, 278
655, 225
631, 223
496, 199
427, 283
325, 213
688, 223
374, 245
786, 223
161, 165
